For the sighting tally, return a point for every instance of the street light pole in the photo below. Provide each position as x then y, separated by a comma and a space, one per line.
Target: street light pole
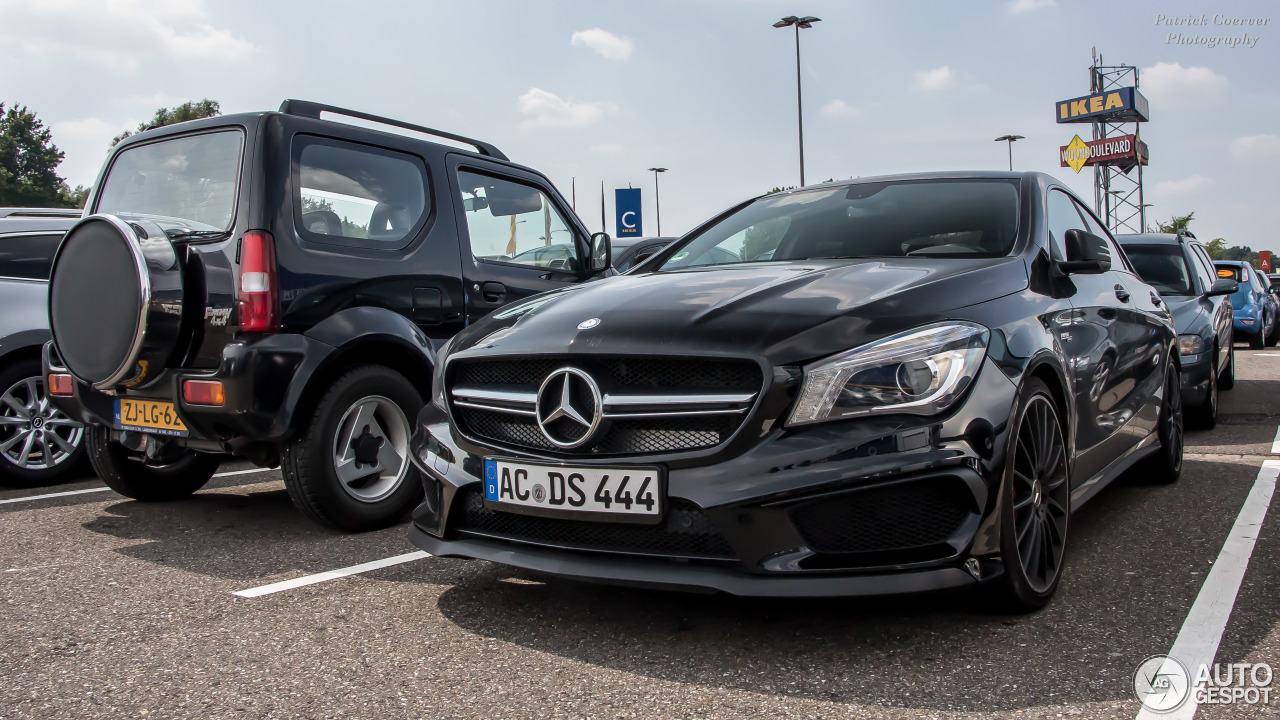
657, 199
1011, 139
799, 23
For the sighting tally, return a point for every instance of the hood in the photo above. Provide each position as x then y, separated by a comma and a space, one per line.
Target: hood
1189, 312
788, 312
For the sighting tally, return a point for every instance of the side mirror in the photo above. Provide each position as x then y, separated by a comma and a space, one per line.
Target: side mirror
1087, 254
1223, 286
601, 254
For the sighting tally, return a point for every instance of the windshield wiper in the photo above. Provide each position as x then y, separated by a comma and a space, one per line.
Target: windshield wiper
194, 234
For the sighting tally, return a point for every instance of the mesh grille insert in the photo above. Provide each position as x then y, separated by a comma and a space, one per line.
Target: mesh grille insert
891, 517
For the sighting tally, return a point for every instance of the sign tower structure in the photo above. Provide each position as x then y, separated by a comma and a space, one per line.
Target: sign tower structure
1117, 189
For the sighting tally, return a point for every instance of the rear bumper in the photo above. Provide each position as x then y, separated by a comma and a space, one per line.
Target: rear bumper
687, 576
263, 381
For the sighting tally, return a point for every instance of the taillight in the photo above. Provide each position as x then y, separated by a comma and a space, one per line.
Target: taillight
61, 384
204, 392
259, 294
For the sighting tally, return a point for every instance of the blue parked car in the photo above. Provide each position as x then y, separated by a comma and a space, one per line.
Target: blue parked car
1253, 305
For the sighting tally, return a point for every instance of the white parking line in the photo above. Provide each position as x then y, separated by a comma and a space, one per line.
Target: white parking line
53, 495
32, 498
1197, 642
330, 575
1275, 444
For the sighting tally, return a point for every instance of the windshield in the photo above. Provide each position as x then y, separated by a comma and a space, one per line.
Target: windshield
187, 182
1163, 267
950, 218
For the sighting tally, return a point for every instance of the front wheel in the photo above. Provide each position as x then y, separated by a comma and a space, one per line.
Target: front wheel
1035, 505
134, 477
1257, 340
1227, 379
39, 445
1272, 335
1165, 466
349, 466
1205, 415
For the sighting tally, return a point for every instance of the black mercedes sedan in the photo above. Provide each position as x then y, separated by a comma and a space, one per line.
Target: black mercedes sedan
898, 384
1179, 267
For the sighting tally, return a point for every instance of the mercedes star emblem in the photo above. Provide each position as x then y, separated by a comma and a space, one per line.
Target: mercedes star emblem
588, 324
569, 408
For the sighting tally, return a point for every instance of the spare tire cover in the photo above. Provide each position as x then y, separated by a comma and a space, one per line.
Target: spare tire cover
115, 301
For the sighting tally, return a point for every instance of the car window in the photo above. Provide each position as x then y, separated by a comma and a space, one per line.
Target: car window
1164, 267
358, 195
1062, 217
508, 221
938, 218
1203, 266
1119, 258
28, 256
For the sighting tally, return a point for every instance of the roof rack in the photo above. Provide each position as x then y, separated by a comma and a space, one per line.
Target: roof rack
41, 212
1186, 233
305, 108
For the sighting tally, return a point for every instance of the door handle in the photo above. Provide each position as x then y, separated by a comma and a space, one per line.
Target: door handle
493, 291
1156, 299
1121, 293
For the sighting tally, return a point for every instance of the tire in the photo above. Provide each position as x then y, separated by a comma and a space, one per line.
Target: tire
129, 475
1227, 378
1272, 337
38, 444
1205, 415
340, 470
1035, 503
1165, 466
1256, 341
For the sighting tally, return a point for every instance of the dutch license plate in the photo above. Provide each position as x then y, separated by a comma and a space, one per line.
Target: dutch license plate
631, 494
154, 416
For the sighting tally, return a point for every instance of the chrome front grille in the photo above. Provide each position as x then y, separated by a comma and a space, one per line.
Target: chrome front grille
645, 405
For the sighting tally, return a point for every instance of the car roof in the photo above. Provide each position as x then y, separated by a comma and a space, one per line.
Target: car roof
1149, 239
1232, 263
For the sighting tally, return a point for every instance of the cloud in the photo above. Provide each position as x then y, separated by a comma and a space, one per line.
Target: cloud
839, 109
604, 42
935, 79
1185, 186
1255, 147
86, 142
1170, 83
1017, 7
546, 109
120, 35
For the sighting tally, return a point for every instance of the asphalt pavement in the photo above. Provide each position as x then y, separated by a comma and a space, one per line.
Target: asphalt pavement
111, 608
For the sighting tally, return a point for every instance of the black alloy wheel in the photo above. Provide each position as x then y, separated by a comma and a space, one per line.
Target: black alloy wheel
1036, 502
1165, 466
1227, 379
1205, 415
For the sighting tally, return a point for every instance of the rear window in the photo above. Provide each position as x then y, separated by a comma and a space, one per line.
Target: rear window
358, 195
949, 218
1163, 267
186, 182
28, 256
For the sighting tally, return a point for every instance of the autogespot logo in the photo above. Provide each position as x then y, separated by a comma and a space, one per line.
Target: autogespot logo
1162, 684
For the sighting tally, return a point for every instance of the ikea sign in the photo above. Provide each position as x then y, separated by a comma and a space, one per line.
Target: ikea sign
1120, 105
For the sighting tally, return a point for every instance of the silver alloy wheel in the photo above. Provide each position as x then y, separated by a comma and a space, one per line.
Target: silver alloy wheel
371, 448
35, 435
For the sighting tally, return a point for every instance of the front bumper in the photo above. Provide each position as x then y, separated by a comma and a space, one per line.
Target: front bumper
263, 381
1197, 373
798, 513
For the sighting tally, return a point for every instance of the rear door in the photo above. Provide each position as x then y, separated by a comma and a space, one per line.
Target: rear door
517, 236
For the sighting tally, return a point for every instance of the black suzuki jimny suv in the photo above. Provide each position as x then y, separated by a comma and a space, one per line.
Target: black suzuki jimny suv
274, 286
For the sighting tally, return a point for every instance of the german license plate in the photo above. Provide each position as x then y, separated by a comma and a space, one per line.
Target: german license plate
154, 416
632, 494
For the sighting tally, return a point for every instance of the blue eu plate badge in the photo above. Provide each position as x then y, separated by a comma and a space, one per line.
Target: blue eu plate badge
491, 479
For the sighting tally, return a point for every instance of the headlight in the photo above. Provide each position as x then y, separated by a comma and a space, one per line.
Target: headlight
1190, 344
922, 372
437, 375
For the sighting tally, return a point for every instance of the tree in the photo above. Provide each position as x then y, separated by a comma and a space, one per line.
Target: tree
168, 116
1176, 223
29, 162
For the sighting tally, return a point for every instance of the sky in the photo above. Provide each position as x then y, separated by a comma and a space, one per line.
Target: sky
593, 92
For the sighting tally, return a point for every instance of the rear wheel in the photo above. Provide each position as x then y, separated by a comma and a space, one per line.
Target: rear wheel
349, 466
1256, 340
134, 477
1273, 335
1227, 379
38, 444
1035, 505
